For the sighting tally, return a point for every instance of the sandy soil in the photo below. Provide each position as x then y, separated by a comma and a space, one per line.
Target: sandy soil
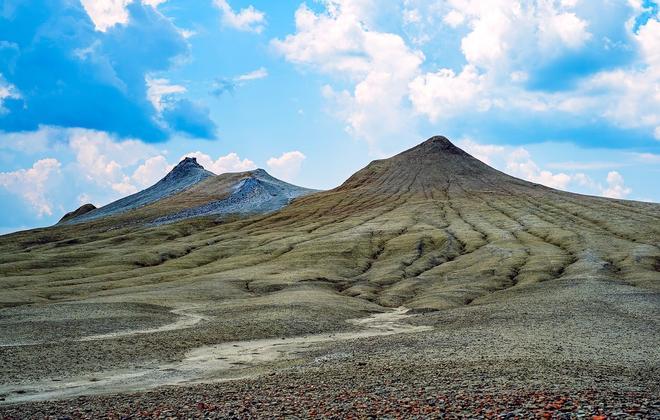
205, 364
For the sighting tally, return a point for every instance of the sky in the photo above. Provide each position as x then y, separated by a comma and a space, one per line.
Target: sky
100, 98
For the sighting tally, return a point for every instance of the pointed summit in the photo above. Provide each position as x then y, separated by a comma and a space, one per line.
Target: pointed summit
188, 167
238, 194
183, 176
435, 164
436, 145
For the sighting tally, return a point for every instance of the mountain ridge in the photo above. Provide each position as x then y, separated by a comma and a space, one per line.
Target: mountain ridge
184, 175
189, 190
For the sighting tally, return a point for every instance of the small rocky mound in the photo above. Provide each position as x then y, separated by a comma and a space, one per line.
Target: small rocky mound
85, 208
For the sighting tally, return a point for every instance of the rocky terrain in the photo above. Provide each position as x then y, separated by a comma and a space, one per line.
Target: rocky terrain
190, 191
85, 208
426, 284
256, 193
187, 173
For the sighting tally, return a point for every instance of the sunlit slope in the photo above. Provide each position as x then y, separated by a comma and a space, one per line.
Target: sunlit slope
430, 228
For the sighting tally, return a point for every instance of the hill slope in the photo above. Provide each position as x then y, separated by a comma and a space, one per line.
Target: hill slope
191, 191
187, 173
522, 285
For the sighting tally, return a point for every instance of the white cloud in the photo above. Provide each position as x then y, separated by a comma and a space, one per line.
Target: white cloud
84, 198
453, 18
228, 163
158, 91
566, 28
153, 3
628, 98
248, 19
151, 171
287, 166
411, 16
647, 157
386, 74
615, 186
445, 93
260, 73
507, 33
520, 163
648, 38
7, 90
103, 160
491, 24
106, 13
483, 152
378, 76
379, 64
32, 184
519, 76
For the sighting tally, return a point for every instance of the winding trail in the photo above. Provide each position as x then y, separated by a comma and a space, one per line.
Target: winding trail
217, 363
187, 319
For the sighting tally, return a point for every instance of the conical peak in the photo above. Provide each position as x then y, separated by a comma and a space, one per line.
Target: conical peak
436, 145
188, 162
259, 172
434, 163
187, 165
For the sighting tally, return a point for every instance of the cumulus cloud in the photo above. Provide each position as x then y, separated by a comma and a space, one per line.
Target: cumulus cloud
151, 171
106, 13
287, 166
483, 152
103, 160
32, 184
504, 34
615, 186
445, 93
454, 18
542, 60
629, 98
91, 167
97, 67
248, 19
520, 163
338, 41
223, 164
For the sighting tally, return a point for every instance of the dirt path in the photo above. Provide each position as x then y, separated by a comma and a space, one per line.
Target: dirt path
187, 319
220, 362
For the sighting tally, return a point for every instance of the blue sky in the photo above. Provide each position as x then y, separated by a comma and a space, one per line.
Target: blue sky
99, 98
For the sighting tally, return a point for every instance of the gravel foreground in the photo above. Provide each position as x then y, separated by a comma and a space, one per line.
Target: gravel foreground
360, 390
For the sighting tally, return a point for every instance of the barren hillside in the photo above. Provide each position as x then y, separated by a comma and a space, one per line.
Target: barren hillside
510, 277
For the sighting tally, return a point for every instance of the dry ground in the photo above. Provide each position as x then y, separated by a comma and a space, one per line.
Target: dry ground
532, 294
